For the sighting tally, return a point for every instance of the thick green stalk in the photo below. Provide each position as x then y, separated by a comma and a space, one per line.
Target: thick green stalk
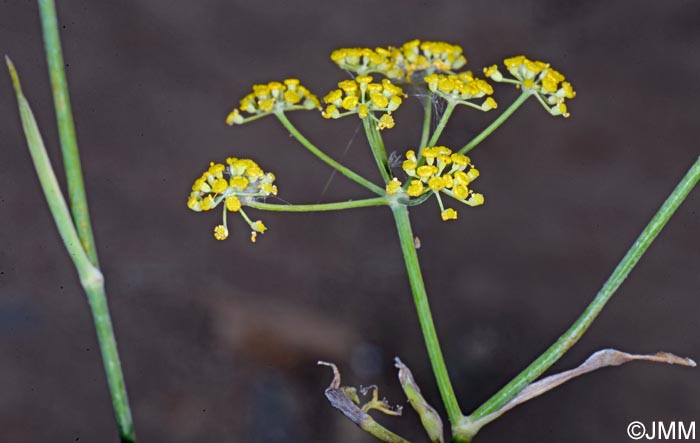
90, 276
441, 124
66, 128
325, 158
420, 298
378, 201
376, 145
496, 123
574, 333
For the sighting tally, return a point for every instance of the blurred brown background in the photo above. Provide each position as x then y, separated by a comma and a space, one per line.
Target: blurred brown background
219, 339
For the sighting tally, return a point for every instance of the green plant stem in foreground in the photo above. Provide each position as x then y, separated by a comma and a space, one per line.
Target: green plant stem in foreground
90, 276
378, 201
496, 123
325, 158
420, 298
574, 333
66, 128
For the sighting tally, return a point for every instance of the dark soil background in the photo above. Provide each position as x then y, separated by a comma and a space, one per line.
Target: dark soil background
219, 340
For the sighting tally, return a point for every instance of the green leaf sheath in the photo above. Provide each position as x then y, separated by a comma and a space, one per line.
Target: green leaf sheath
66, 128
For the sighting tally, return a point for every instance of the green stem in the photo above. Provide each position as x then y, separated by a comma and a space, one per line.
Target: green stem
99, 308
66, 128
571, 336
325, 158
427, 118
441, 124
90, 276
378, 201
380, 432
252, 118
376, 145
496, 123
420, 298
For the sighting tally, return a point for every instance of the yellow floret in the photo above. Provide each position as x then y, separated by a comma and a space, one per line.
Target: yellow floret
219, 186
258, 226
448, 214
436, 184
220, 232
415, 189
426, 171
233, 204
393, 186
476, 199
386, 121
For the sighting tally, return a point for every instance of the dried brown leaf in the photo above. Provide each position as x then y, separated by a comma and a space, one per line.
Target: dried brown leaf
338, 398
598, 360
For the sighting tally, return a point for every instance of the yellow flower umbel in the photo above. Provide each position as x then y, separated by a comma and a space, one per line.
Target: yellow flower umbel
399, 64
232, 184
459, 88
444, 172
273, 97
363, 61
428, 57
362, 97
539, 78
